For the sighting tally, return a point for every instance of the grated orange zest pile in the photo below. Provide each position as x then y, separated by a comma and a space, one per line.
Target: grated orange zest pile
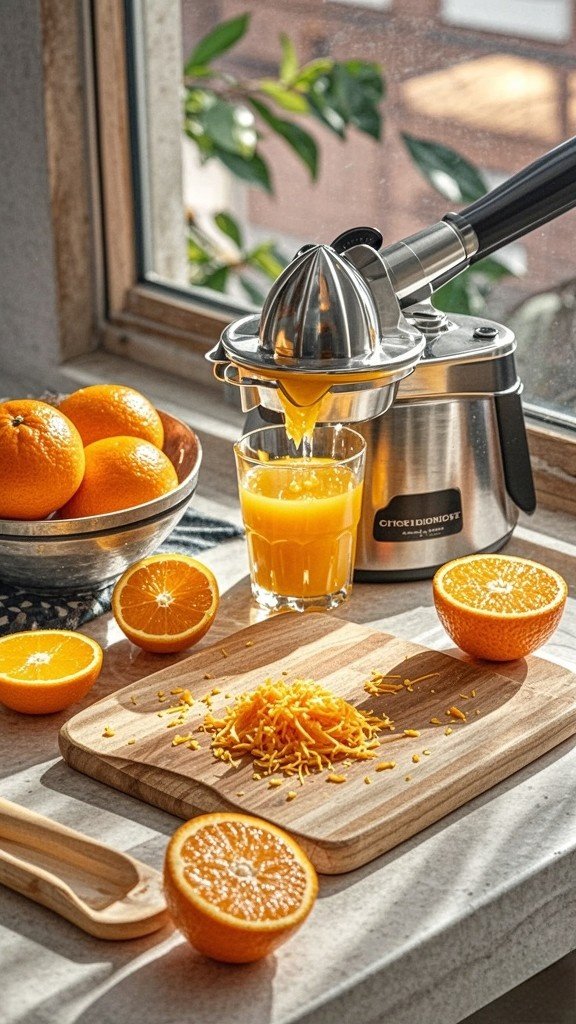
296, 728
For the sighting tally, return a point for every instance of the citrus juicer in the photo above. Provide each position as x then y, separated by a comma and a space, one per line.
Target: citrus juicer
447, 467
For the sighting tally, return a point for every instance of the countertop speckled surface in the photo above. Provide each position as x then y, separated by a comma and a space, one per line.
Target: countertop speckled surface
430, 932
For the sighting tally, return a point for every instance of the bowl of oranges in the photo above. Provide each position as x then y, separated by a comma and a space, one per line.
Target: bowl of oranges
89, 483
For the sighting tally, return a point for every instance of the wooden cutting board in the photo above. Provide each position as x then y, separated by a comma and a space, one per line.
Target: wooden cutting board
510, 720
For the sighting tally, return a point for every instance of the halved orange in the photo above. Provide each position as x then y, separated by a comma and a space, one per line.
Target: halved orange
237, 886
498, 607
45, 670
166, 602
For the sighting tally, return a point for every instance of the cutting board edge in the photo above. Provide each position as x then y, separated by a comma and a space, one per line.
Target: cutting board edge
113, 772
321, 853
327, 855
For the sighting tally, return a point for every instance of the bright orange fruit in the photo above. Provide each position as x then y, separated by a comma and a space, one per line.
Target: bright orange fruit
498, 607
237, 886
112, 410
45, 670
120, 472
166, 602
41, 459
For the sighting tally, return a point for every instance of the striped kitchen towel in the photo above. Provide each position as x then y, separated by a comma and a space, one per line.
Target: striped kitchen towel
20, 609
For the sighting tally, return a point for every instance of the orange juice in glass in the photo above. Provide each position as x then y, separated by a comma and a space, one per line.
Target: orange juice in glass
301, 514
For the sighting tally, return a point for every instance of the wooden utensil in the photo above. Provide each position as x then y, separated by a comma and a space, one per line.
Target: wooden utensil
104, 892
513, 714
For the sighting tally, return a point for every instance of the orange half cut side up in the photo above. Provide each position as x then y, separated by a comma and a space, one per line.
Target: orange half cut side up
45, 670
499, 607
166, 603
237, 886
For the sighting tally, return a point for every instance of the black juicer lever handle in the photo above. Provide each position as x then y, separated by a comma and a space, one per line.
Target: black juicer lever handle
537, 194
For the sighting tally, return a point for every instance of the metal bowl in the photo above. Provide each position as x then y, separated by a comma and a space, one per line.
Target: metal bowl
56, 555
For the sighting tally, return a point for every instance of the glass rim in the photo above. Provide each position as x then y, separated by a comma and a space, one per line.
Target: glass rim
279, 426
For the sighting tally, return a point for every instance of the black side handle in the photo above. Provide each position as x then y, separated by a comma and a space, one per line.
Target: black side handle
515, 454
537, 194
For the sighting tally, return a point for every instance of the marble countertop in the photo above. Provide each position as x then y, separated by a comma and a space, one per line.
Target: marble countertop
430, 932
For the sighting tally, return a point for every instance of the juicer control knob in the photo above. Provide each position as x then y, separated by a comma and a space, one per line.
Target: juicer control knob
305, 248
428, 319
485, 332
357, 236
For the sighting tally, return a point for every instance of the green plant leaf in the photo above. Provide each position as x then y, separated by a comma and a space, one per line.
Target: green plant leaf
252, 169
198, 99
468, 292
264, 258
230, 126
326, 114
281, 257
357, 89
450, 174
289, 61
349, 93
217, 42
194, 129
230, 227
311, 71
493, 269
196, 252
456, 297
300, 140
288, 99
202, 71
217, 279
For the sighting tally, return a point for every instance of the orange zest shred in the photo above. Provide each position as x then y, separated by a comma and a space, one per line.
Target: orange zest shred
294, 728
179, 740
380, 683
456, 713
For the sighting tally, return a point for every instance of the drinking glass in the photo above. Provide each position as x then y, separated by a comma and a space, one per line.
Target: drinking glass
301, 508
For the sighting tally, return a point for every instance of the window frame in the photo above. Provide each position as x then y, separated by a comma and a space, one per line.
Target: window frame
154, 324
157, 310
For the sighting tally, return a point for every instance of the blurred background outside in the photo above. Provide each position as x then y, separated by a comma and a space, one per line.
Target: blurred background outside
495, 82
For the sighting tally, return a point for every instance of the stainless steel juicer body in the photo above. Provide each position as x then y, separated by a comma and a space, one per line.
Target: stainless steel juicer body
447, 465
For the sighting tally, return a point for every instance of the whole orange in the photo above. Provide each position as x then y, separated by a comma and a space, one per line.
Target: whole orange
120, 472
111, 410
41, 459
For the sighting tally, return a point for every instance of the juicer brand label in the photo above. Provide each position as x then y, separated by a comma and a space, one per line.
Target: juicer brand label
419, 516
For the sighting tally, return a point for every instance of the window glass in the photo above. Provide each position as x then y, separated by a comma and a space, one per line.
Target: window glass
376, 112
549, 20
